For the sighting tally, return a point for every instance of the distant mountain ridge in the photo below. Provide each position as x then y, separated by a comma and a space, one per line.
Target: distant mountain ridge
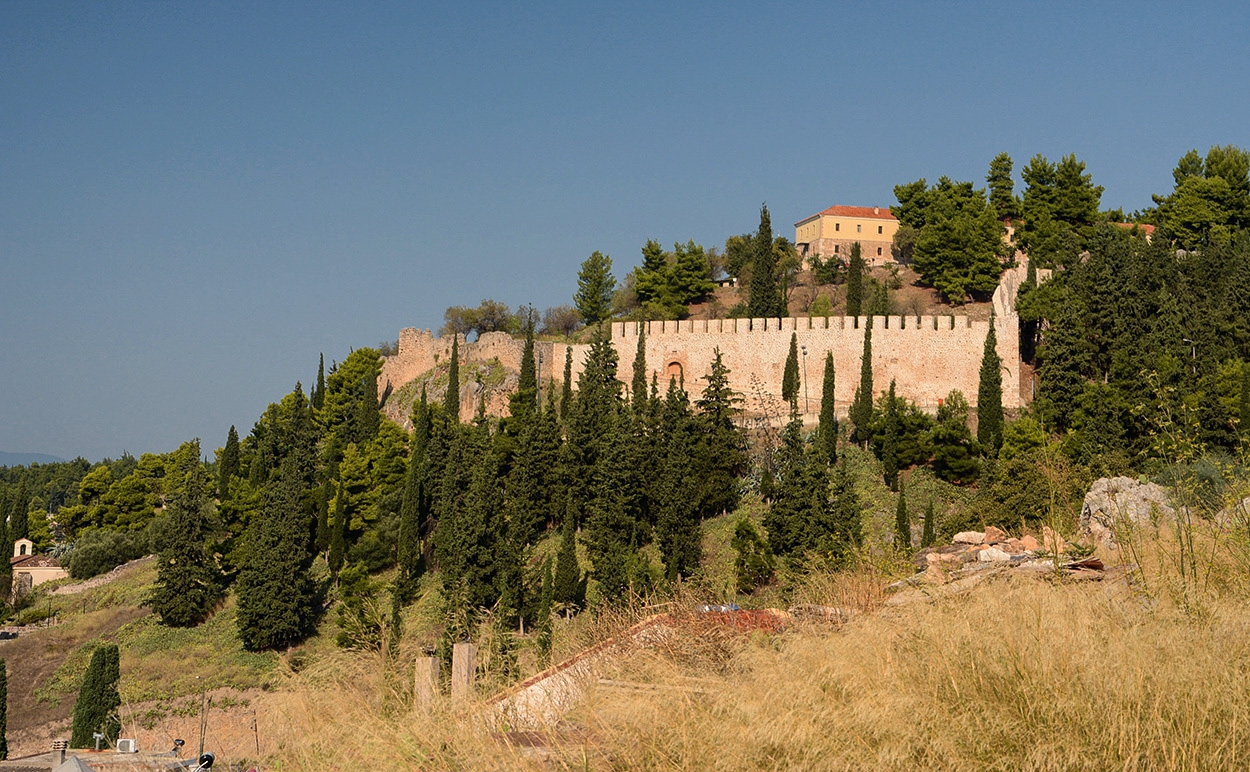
23, 459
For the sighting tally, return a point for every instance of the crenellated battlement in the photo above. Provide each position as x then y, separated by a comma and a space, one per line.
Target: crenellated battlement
927, 356
940, 323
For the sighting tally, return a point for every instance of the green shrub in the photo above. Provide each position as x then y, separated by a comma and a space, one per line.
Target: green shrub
96, 552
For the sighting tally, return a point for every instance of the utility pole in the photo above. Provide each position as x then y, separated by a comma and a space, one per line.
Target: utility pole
203, 711
806, 409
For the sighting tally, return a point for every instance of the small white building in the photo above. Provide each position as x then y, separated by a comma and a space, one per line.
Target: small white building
40, 568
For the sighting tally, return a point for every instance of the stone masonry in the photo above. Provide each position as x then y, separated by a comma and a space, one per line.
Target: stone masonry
927, 356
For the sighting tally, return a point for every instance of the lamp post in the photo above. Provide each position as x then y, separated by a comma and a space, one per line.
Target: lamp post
806, 409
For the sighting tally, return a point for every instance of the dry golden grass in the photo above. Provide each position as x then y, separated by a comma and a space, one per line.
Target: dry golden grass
1018, 673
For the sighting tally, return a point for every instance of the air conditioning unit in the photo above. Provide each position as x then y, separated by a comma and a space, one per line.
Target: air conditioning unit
127, 746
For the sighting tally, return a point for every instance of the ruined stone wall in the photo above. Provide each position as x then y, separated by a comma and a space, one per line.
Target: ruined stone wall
419, 352
927, 356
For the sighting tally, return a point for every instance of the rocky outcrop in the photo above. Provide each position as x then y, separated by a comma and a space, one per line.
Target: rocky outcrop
1113, 502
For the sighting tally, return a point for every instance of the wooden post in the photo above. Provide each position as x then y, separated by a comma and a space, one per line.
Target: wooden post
463, 665
427, 680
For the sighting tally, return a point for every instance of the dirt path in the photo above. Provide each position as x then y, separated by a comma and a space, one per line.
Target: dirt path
96, 581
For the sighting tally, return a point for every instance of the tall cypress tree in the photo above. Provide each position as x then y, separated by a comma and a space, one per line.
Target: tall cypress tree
990, 395
188, 581
4, 710
638, 385
451, 403
827, 430
902, 521
567, 583
338, 537
19, 523
6, 550
677, 526
319, 390
721, 456
764, 299
321, 542
790, 376
566, 392
1244, 407
95, 710
543, 637
524, 403
889, 447
929, 536
228, 466
1028, 318
409, 548
855, 282
861, 406
277, 598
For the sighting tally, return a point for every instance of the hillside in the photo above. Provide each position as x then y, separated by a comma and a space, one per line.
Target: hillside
160, 665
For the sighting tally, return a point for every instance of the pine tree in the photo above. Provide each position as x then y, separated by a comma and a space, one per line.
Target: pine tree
98, 700
861, 406
595, 287
764, 299
188, 581
19, 522
338, 537
721, 454
827, 430
855, 282
277, 599
844, 523
889, 447
638, 385
929, 537
902, 521
990, 396
319, 390
451, 403
1002, 188
790, 376
566, 393
228, 464
4, 710
568, 587
753, 563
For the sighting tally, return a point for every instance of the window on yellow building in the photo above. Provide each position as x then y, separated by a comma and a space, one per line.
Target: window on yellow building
879, 230
859, 229
878, 251
837, 226
835, 249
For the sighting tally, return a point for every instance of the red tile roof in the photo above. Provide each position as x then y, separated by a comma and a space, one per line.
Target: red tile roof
34, 561
1147, 228
865, 212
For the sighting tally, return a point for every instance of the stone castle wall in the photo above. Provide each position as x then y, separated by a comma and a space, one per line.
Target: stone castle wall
927, 356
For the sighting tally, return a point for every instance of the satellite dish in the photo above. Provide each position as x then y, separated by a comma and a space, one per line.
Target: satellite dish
206, 761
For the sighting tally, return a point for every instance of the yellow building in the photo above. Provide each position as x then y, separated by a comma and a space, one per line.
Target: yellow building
31, 570
832, 232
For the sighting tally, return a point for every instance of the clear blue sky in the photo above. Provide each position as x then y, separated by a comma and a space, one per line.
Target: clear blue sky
198, 198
